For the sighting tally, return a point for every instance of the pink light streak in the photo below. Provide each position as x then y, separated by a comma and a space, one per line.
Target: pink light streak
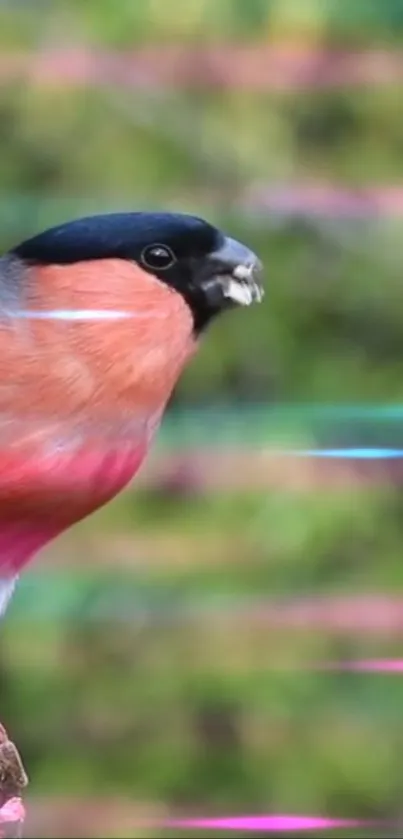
308, 198
370, 665
266, 823
387, 666
276, 67
325, 198
366, 614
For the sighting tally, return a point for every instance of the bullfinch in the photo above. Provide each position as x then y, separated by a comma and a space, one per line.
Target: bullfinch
98, 317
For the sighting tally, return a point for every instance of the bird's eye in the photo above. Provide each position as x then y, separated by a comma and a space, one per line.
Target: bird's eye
158, 257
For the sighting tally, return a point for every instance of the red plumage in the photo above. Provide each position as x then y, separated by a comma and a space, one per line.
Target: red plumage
80, 400
87, 398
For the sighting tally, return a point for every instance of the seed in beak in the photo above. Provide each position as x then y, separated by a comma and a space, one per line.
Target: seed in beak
243, 272
243, 293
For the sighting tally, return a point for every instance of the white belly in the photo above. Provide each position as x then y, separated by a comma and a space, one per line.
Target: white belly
7, 586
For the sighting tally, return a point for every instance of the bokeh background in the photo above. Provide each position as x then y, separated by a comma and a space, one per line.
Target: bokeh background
193, 649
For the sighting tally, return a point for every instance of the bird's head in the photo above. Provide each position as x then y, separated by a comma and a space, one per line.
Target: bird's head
114, 306
210, 270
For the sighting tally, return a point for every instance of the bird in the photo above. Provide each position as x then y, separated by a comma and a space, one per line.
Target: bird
99, 316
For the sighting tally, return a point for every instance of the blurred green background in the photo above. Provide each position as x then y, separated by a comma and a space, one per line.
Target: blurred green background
164, 658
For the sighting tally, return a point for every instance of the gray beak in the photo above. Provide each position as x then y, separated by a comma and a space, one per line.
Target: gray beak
237, 270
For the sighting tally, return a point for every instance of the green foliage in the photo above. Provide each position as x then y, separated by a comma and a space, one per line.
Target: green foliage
159, 678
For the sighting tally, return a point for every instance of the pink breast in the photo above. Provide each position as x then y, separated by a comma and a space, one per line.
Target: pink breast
42, 496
